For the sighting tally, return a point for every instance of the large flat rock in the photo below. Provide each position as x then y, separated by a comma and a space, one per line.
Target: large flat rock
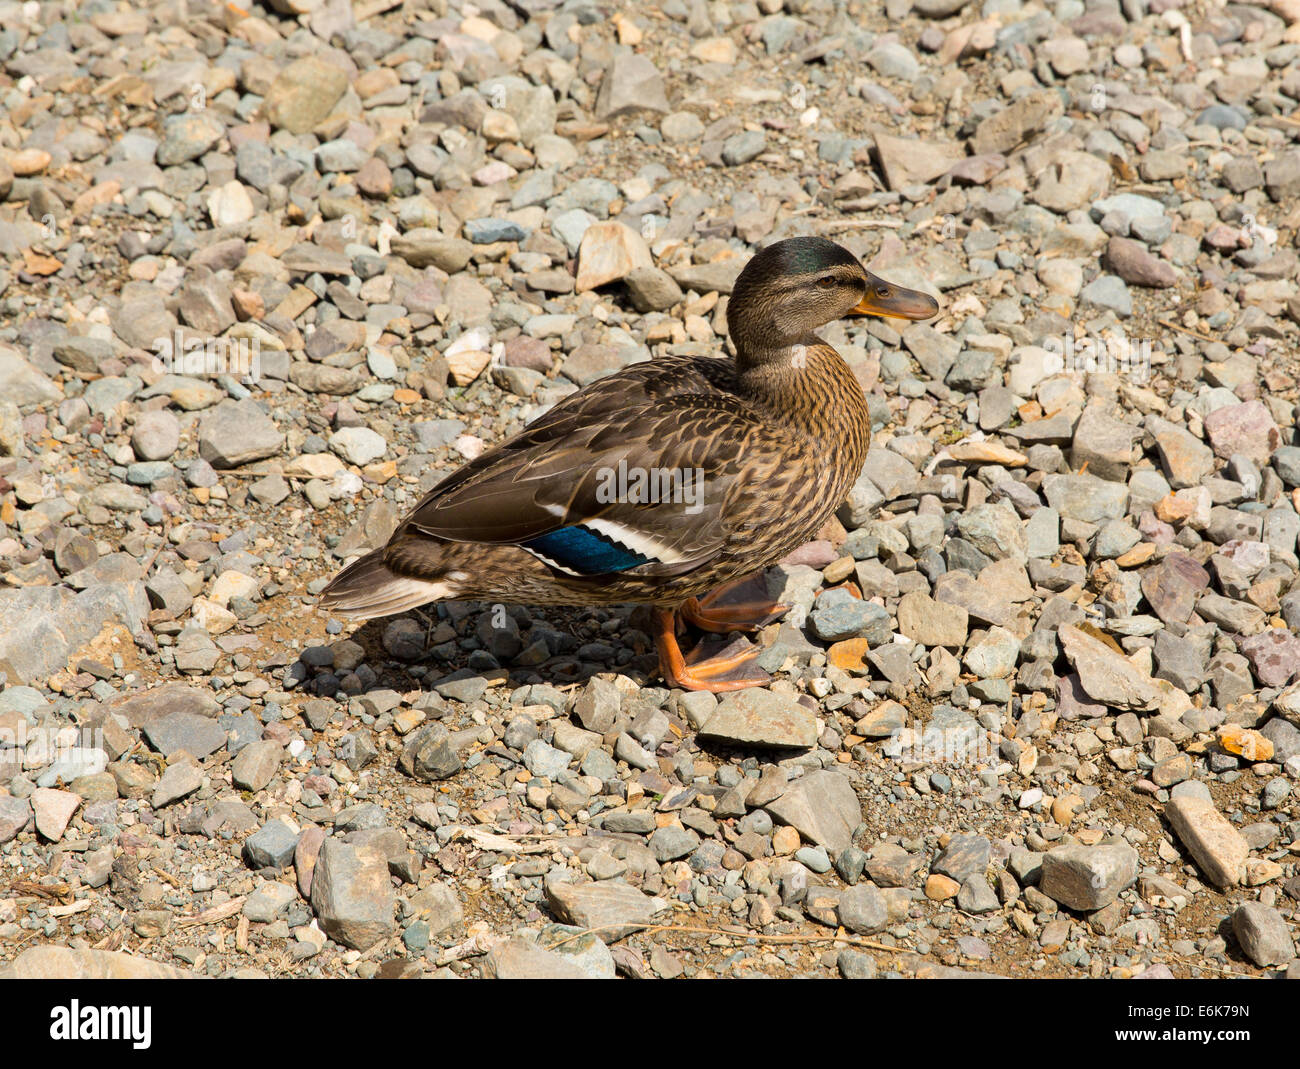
822, 807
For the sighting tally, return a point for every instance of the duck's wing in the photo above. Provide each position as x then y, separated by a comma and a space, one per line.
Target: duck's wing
603, 487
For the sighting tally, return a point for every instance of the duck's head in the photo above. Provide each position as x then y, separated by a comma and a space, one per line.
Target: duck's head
792, 287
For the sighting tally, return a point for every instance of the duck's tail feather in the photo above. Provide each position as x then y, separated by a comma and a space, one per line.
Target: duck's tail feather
368, 587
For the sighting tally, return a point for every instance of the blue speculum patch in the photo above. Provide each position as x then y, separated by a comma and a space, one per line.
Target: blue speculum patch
583, 551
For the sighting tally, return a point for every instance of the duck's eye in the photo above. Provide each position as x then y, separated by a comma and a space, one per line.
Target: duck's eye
826, 283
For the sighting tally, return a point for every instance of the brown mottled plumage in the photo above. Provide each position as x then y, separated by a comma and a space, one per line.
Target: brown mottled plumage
764, 449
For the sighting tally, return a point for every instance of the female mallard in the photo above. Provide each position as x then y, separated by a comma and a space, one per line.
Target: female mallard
663, 482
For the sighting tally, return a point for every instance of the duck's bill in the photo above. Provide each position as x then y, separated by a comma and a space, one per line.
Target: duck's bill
885, 299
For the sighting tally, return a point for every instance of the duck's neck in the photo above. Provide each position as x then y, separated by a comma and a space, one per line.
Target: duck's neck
806, 385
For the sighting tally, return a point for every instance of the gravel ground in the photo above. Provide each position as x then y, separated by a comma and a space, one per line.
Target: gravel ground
267, 275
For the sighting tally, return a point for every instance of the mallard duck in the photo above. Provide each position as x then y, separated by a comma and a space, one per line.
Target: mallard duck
667, 483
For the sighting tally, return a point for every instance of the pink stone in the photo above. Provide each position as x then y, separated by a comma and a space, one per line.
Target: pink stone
1073, 703
1250, 557
1274, 655
1246, 428
53, 810
813, 554
523, 351
305, 855
492, 173
1172, 585
978, 170
1223, 238
1153, 530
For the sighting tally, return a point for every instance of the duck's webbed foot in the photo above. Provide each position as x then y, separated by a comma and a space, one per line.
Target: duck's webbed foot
740, 606
730, 668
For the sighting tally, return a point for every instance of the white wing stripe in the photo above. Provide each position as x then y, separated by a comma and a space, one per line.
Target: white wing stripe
635, 540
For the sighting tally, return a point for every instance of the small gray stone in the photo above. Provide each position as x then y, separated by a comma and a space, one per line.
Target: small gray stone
1284, 736
196, 735
598, 705
238, 432
429, 755
924, 620
823, 807
964, 858
1179, 660
813, 858
743, 147
519, 958
652, 289
15, 815
269, 902
976, 896
683, 126
1109, 293
188, 136
856, 965
438, 906
340, 154
358, 445
1088, 877
464, 685
1106, 674
544, 760
611, 909
1103, 443
838, 615
271, 846
631, 84
352, 894
256, 764
671, 842
1263, 934
1086, 497
304, 93
863, 909
759, 717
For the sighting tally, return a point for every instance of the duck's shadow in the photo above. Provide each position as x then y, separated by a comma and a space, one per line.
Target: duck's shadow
614, 639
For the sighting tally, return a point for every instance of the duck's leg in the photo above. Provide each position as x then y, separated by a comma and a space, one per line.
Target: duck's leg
735, 671
739, 606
